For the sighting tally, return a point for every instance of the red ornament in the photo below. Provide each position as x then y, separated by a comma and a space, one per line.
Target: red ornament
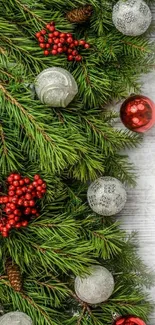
138, 113
129, 320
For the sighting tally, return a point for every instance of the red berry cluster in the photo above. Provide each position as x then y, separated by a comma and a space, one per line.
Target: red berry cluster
54, 42
18, 207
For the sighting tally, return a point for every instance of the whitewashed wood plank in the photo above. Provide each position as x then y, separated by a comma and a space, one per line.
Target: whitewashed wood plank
139, 212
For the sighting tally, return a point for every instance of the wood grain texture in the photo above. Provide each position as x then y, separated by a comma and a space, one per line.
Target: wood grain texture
139, 212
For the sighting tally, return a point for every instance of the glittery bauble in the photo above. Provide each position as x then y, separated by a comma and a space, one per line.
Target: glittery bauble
106, 196
15, 318
138, 113
131, 17
129, 320
96, 287
56, 87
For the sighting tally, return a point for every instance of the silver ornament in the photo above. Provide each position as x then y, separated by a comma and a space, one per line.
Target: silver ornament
131, 17
96, 287
15, 318
106, 196
55, 87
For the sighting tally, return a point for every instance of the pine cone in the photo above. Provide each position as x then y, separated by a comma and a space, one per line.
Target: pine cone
80, 15
14, 275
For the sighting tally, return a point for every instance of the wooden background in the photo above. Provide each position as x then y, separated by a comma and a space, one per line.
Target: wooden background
139, 212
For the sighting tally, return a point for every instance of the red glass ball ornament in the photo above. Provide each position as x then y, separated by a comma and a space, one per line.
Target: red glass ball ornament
129, 320
138, 113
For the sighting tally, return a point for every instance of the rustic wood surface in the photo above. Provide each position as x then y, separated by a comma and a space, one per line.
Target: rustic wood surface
139, 212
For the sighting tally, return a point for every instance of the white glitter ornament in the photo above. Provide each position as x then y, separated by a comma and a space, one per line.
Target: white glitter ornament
106, 196
131, 17
15, 318
96, 287
55, 87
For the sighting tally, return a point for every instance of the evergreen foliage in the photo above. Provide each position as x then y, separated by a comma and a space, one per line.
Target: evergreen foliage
69, 148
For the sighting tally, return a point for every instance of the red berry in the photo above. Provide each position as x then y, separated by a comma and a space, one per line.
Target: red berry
82, 42
46, 52
33, 193
76, 42
69, 40
20, 202
11, 222
86, 46
47, 45
12, 188
50, 40
52, 29
35, 183
74, 52
32, 203
65, 48
5, 234
60, 50
24, 223
5, 199
17, 177
44, 185
18, 225
28, 196
24, 189
41, 39
56, 41
38, 34
52, 23
1, 200
54, 52
17, 212
62, 40
69, 51
69, 35
43, 32
19, 192
11, 216
78, 58
70, 57
42, 45
60, 45
72, 45
30, 187
8, 226
39, 188
11, 193
10, 179
14, 200
27, 211
48, 26
21, 182
16, 183
34, 211
8, 211
55, 47
43, 191
39, 195
50, 35
26, 203
17, 219
27, 180
56, 33
12, 206
40, 181
62, 35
